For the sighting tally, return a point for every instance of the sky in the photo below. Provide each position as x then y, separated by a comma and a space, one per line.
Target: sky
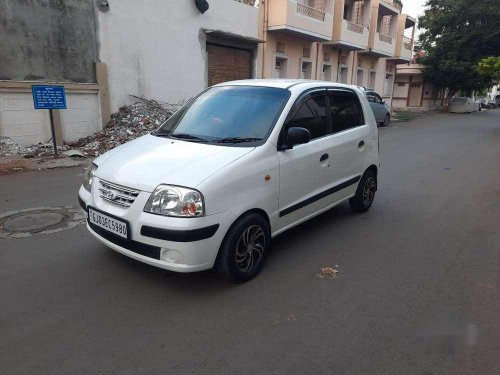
414, 8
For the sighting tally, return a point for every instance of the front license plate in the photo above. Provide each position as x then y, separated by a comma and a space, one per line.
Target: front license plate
111, 224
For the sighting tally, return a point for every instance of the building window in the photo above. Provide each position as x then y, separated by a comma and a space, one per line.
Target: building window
343, 74
327, 72
360, 77
326, 56
388, 83
306, 70
306, 52
280, 67
357, 13
373, 76
280, 47
385, 27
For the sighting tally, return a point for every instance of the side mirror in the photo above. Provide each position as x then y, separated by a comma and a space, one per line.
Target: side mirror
297, 136
383, 101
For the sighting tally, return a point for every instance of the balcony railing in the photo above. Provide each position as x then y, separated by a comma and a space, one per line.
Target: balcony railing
385, 38
354, 27
396, 4
407, 43
310, 12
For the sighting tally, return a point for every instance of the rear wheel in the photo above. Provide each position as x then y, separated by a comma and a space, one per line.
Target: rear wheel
365, 193
387, 120
244, 248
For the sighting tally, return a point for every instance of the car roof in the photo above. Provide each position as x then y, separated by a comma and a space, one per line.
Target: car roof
285, 83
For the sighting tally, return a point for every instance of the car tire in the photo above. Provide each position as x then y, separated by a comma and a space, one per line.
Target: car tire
365, 193
387, 120
243, 251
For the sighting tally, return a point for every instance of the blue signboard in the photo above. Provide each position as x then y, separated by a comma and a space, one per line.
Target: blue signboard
49, 97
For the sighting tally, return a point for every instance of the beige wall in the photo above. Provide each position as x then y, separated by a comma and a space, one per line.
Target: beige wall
26, 125
283, 15
430, 97
293, 55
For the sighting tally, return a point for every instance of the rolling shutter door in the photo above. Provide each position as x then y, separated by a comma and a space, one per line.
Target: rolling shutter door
228, 64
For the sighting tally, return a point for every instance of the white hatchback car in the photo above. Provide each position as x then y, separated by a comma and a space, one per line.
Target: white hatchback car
238, 164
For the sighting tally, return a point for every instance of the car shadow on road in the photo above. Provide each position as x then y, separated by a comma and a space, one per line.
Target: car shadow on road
201, 283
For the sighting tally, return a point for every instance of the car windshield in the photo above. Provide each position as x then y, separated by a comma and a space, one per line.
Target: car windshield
227, 114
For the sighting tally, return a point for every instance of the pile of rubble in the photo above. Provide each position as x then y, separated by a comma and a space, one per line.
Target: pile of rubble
128, 123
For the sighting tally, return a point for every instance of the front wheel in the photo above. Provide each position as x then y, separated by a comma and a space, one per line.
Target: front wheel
244, 248
365, 193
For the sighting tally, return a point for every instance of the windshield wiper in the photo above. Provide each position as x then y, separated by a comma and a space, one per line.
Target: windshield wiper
162, 134
237, 140
188, 137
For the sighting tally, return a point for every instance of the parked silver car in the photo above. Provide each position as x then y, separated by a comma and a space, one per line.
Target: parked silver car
380, 108
463, 105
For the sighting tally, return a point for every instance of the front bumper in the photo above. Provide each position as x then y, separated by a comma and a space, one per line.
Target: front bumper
175, 244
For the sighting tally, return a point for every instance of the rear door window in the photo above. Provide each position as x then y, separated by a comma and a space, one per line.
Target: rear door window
345, 110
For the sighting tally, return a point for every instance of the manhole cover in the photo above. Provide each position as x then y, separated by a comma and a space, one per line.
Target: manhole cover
44, 220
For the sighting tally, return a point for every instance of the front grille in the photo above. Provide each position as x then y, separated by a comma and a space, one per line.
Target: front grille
137, 247
117, 194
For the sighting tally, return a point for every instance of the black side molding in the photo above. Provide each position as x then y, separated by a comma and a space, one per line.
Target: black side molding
179, 235
82, 203
319, 196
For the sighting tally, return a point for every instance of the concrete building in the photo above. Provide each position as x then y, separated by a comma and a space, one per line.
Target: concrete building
36, 47
170, 51
412, 93
347, 41
103, 52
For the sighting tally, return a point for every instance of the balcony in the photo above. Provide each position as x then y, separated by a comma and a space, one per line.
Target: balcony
301, 19
394, 4
383, 30
350, 36
350, 29
404, 44
384, 45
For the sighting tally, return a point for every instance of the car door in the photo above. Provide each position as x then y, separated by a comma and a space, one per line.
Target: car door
373, 105
348, 143
302, 166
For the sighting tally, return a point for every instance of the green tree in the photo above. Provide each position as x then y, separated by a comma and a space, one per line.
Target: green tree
457, 35
490, 67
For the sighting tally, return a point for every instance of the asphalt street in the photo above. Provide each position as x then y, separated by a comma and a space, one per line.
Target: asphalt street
418, 290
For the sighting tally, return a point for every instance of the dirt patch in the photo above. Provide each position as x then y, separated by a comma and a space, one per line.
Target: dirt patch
328, 273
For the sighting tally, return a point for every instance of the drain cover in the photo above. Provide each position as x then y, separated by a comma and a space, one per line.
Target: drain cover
44, 220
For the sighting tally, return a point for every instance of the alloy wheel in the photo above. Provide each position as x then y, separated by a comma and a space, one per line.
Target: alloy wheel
387, 120
250, 248
369, 191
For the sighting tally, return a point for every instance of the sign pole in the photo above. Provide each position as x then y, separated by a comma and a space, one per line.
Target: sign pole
53, 132
49, 97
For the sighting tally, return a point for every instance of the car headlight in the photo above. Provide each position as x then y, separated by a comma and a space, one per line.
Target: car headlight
169, 200
89, 176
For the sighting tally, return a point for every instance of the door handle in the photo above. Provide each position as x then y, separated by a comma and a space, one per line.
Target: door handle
324, 157
361, 144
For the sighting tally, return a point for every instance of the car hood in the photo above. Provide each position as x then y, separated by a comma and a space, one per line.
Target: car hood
149, 161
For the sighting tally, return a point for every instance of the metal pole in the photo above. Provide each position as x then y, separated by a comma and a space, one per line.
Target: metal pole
53, 132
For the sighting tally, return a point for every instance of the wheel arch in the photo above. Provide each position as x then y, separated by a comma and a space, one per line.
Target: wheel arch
373, 168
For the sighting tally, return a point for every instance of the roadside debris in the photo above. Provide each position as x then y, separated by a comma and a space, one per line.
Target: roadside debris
328, 273
128, 123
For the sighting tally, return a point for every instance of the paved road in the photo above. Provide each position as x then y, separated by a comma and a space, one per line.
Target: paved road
418, 291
